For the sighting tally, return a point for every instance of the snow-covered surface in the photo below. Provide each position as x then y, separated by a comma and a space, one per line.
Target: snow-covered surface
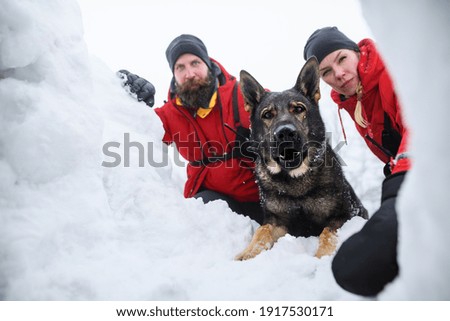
418, 53
72, 229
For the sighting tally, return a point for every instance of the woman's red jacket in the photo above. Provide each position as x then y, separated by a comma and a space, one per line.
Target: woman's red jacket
378, 98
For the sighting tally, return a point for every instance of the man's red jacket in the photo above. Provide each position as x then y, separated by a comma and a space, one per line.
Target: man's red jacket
199, 138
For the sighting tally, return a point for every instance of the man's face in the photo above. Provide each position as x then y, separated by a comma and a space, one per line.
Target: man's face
194, 81
190, 70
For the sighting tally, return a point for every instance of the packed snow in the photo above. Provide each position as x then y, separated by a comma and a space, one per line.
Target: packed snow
75, 228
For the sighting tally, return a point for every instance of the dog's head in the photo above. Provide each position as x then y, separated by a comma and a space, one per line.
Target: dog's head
286, 125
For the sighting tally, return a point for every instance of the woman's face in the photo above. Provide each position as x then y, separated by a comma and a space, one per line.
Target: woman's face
340, 70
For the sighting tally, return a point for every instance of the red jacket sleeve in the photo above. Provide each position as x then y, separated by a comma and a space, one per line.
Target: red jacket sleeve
392, 106
404, 162
167, 138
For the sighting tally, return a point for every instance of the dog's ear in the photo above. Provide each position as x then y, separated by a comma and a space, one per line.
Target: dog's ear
251, 90
308, 81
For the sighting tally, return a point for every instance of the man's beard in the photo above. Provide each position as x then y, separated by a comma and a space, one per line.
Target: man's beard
196, 93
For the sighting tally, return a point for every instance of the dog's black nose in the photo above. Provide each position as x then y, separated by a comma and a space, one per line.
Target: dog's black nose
286, 133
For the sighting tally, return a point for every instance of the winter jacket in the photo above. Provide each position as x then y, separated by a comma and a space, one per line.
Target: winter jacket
380, 105
198, 139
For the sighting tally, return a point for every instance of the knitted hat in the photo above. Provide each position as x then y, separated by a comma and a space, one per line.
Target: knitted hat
326, 40
186, 44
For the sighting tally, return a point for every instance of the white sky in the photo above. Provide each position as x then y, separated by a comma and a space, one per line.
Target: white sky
251, 35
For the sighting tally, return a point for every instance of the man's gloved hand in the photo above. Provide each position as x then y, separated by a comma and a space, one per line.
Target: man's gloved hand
143, 89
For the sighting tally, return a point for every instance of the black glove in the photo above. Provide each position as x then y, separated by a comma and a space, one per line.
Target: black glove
244, 146
391, 186
143, 89
367, 261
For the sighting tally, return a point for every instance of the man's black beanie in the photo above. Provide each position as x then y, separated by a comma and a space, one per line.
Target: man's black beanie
186, 44
326, 40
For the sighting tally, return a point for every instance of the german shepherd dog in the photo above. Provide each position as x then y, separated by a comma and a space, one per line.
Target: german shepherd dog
302, 186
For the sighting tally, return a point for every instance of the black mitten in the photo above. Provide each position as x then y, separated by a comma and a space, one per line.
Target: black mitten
367, 261
143, 89
391, 186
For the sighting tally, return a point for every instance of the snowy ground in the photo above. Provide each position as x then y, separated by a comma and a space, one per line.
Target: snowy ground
72, 229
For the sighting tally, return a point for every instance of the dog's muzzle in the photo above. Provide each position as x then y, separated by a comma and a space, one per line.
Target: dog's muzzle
286, 149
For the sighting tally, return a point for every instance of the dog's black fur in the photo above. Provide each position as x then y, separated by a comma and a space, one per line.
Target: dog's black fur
302, 186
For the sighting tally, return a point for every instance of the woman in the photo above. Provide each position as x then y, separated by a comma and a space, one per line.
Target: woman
362, 86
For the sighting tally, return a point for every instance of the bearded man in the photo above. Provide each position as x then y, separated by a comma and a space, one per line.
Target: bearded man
205, 117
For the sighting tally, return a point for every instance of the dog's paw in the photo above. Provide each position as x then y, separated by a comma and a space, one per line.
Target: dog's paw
327, 243
251, 251
263, 239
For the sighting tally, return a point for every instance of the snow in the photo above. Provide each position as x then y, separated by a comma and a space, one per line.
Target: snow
420, 70
72, 229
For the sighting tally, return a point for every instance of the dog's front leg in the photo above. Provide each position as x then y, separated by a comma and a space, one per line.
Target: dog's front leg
327, 242
263, 239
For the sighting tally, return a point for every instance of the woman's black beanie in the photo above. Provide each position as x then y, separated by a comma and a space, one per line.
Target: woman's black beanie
326, 40
186, 44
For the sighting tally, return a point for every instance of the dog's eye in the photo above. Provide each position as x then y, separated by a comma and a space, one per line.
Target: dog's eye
268, 114
297, 108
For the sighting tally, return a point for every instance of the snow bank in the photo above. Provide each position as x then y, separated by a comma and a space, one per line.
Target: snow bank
418, 53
